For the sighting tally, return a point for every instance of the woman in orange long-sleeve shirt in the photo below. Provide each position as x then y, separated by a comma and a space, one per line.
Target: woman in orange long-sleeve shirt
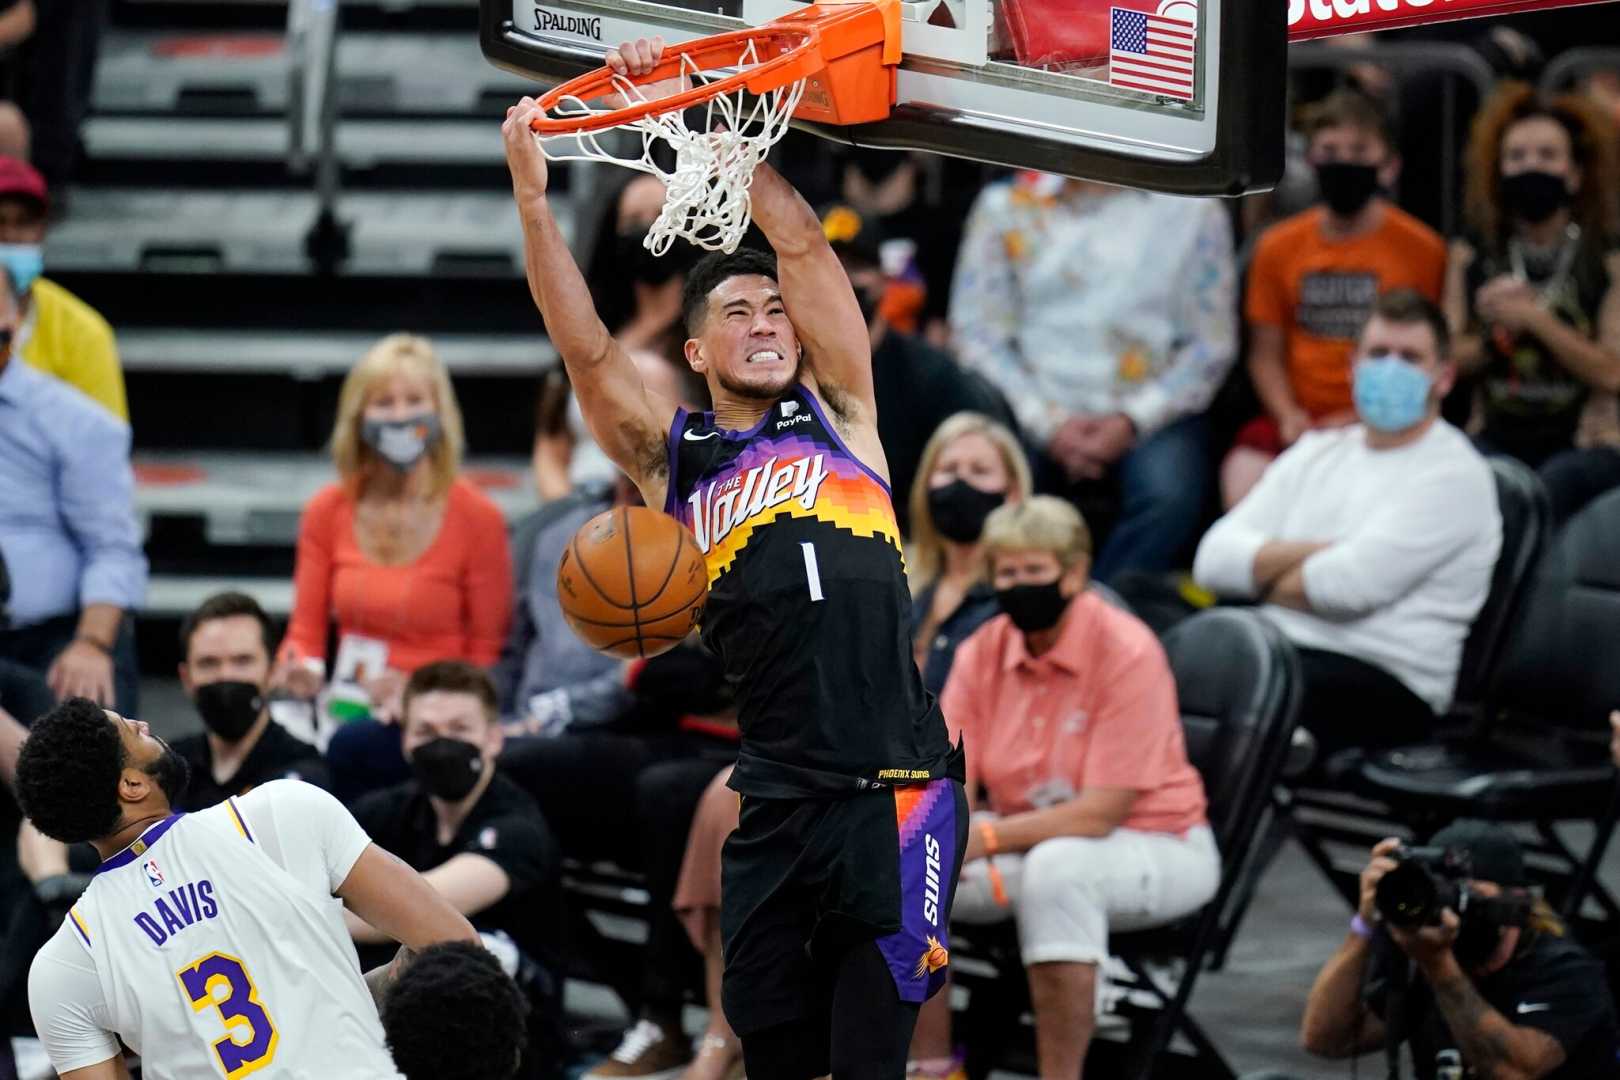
400, 550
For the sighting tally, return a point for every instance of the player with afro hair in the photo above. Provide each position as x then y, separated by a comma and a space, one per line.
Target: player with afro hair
453, 1014
71, 765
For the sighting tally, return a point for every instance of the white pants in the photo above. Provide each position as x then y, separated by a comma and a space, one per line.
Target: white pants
1068, 892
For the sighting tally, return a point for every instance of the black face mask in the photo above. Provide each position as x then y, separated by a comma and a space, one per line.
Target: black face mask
1033, 607
1533, 197
1347, 188
447, 768
229, 708
959, 509
633, 259
172, 774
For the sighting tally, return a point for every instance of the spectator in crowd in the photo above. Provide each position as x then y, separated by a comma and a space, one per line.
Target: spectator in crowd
1106, 316
473, 834
68, 535
1371, 546
226, 646
453, 1014
1314, 279
59, 334
916, 385
59, 70
549, 680
638, 296
410, 560
971, 466
623, 788
918, 203
17, 21
1092, 817
1534, 289
1499, 989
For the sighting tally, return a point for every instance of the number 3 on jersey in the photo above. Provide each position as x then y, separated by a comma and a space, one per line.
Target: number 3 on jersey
221, 982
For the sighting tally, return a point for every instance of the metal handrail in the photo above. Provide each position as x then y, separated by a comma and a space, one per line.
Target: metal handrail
312, 117
1458, 61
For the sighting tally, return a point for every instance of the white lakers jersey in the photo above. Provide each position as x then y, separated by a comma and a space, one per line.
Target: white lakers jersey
213, 946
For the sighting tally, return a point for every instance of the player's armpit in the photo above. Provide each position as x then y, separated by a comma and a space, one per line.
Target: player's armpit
399, 902
111, 1069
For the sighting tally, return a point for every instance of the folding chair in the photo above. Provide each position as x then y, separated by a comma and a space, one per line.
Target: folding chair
1336, 822
1541, 755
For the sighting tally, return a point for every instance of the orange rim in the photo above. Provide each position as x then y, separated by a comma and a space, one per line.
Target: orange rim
801, 60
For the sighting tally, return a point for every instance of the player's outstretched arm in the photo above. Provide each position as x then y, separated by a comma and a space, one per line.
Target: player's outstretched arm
628, 422
815, 289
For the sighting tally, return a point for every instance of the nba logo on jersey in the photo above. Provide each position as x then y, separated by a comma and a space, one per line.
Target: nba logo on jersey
154, 876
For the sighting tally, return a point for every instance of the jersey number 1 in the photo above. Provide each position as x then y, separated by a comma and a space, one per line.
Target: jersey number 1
221, 982
812, 573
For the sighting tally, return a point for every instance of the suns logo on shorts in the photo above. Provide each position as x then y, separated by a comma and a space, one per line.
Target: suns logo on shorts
934, 958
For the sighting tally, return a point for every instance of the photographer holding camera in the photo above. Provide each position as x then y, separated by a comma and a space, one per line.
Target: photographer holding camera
1451, 954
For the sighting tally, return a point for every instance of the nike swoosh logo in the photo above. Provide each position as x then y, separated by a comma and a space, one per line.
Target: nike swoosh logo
692, 436
1541, 1007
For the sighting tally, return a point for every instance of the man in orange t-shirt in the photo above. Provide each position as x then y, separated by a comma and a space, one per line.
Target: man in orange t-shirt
1314, 279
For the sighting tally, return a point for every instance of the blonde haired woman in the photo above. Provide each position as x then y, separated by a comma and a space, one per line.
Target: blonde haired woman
1092, 818
400, 550
970, 466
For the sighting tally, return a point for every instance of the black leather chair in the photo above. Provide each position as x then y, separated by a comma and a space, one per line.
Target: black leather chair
1335, 819
1540, 752
1239, 687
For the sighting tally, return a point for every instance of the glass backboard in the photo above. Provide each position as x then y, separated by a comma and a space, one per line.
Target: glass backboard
1183, 96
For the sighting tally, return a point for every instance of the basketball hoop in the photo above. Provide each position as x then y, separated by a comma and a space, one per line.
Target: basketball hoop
830, 63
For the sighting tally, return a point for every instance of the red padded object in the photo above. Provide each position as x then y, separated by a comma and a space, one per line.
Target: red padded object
1059, 33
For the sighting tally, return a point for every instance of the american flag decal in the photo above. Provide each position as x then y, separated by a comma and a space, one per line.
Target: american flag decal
1153, 53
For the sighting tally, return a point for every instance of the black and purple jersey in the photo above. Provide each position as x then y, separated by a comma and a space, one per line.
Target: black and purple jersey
808, 605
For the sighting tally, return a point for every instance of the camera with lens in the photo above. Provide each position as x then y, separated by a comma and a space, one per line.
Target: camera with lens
1427, 880
1424, 882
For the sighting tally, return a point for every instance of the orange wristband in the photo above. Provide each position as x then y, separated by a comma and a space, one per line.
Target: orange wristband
992, 844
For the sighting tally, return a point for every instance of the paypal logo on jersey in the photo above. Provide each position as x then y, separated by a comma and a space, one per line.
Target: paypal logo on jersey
154, 876
185, 906
791, 415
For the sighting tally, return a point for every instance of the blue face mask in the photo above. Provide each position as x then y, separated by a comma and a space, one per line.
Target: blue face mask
24, 263
1391, 394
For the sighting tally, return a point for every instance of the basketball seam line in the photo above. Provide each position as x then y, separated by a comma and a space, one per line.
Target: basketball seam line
579, 561
630, 573
680, 548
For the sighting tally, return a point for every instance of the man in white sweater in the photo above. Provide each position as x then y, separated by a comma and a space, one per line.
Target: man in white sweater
1371, 546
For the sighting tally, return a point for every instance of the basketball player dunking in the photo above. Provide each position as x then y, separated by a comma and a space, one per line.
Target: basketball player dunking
838, 881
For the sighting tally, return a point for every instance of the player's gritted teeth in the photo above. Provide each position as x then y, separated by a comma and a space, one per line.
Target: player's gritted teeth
765, 356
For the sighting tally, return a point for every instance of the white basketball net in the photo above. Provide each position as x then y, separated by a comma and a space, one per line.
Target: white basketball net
707, 193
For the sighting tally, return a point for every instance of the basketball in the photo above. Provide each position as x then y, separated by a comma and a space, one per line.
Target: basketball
632, 582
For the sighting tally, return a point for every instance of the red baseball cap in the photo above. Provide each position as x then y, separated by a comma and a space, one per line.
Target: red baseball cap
17, 177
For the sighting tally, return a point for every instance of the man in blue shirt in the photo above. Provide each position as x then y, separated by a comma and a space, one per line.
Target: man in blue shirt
68, 534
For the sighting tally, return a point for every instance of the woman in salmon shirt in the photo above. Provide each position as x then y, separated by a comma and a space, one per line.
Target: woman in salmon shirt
400, 551
1091, 818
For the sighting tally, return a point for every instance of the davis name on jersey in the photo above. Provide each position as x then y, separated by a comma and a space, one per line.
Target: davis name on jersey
189, 904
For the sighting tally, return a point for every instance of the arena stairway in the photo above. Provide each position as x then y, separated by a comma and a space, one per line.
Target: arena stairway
190, 228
